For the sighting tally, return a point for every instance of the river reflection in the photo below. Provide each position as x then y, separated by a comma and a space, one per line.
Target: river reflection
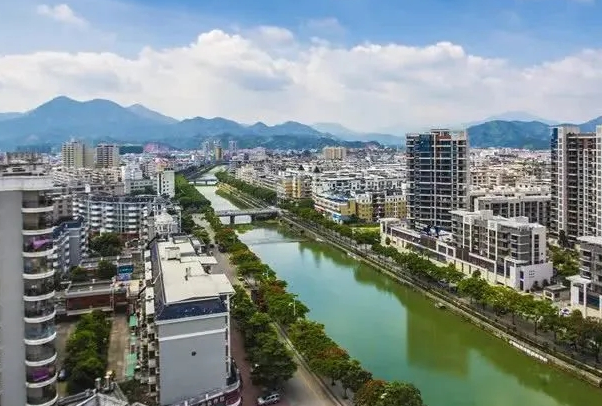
397, 334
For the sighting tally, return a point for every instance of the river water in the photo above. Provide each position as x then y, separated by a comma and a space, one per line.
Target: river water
399, 335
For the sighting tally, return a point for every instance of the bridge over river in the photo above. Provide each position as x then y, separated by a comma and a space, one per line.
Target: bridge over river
253, 213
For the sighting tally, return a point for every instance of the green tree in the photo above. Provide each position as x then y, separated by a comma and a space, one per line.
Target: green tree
309, 338
330, 362
106, 245
106, 270
474, 287
86, 370
354, 376
369, 394
79, 274
400, 394
275, 364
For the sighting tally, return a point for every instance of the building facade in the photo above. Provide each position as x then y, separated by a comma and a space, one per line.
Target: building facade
185, 328
70, 244
27, 287
438, 177
334, 153
107, 156
576, 183
77, 155
166, 183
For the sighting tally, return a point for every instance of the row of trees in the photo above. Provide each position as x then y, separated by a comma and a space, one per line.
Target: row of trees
267, 195
273, 362
87, 351
273, 365
191, 201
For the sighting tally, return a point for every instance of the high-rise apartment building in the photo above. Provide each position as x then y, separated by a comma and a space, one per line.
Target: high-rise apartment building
218, 152
166, 183
76, 154
438, 177
576, 184
334, 153
107, 156
27, 287
232, 148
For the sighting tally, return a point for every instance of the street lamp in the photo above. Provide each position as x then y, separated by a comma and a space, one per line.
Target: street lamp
294, 304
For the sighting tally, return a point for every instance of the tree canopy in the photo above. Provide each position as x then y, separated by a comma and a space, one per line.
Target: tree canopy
106, 245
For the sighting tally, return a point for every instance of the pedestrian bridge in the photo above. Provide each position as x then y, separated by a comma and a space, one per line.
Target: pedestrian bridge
246, 212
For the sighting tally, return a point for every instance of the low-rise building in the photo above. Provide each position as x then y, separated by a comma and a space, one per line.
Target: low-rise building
590, 267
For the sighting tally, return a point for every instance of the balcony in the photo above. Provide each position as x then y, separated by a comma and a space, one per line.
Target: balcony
44, 396
37, 268
40, 355
42, 204
39, 312
38, 245
41, 333
38, 289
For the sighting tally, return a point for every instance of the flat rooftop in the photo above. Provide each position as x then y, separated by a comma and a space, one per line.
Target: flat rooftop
183, 277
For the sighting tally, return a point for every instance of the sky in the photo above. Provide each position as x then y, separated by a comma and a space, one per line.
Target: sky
371, 65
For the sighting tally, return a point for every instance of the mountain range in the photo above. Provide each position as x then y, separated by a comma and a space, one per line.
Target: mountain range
101, 120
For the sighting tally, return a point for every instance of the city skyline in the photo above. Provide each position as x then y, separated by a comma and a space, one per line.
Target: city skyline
370, 68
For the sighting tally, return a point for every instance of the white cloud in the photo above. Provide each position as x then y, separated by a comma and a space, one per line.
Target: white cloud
367, 86
62, 13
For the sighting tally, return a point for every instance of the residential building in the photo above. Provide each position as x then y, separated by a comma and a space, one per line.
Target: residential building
76, 154
163, 224
144, 185
505, 251
218, 152
166, 183
368, 207
107, 156
124, 215
590, 267
513, 248
532, 203
576, 182
334, 153
438, 180
27, 286
70, 244
186, 327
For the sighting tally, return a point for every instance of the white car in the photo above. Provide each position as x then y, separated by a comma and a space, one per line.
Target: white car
270, 399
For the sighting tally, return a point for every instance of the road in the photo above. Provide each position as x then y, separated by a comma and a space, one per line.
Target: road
118, 346
304, 389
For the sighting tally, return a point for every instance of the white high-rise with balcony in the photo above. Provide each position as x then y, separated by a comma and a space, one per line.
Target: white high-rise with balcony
27, 332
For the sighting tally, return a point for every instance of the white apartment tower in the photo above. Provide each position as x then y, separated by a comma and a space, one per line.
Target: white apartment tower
576, 187
76, 154
438, 180
107, 156
27, 333
166, 183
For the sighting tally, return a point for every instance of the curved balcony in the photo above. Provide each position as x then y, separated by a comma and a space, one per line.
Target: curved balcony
37, 221
40, 333
39, 311
42, 395
37, 290
40, 355
42, 204
37, 268
36, 246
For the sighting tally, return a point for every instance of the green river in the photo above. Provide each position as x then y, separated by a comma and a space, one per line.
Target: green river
399, 335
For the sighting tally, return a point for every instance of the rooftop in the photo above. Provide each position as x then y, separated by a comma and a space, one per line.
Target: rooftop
182, 275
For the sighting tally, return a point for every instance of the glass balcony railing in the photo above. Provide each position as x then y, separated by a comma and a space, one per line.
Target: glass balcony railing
37, 353
41, 396
39, 308
37, 221
33, 266
38, 287
41, 201
40, 374
37, 243
39, 331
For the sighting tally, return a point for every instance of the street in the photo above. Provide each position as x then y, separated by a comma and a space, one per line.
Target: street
304, 389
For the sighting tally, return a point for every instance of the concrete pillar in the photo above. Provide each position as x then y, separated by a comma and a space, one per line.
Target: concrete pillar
252, 218
232, 218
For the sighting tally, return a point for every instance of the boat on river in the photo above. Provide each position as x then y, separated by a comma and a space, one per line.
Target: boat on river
440, 305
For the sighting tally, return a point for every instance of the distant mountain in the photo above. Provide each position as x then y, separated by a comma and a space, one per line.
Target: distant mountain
510, 134
145, 112
9, 116
513, 116
350, 135
100, 120
590, 126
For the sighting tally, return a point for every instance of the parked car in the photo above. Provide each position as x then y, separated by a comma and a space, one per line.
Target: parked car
62, 375
270, 399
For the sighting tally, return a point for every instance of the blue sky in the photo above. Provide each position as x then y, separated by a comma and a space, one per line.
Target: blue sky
525, 42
